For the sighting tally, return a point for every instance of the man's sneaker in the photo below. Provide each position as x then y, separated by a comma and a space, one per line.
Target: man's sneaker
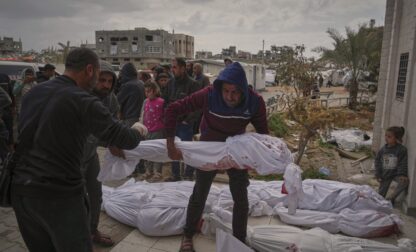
187, 245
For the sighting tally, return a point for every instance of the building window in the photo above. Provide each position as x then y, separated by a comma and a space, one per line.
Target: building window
124, 39
149, 38
136, 38
114, 39
401, 82
134, 47
157, 38
153, 49
126, 59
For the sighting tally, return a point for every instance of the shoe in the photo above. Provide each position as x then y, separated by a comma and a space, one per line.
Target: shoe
101, 239
187, 245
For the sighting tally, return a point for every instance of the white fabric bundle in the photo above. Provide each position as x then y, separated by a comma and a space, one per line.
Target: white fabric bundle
157, 209
264, 153
361, 223
272, 238
160, 208
334, 196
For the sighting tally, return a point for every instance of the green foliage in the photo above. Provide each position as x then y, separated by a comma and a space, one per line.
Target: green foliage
271, 177
277, 125
312, 173
359, 51
323, 144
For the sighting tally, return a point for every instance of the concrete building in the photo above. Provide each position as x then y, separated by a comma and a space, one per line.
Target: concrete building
184, 46
244, 55
89, 46
143, 47
229, 52
255, 73
396, 97
9, 47
203, 55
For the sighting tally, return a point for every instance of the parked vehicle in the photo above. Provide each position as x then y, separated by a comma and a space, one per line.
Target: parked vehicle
14, 68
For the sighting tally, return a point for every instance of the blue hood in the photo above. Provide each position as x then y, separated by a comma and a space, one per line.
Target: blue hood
233, 74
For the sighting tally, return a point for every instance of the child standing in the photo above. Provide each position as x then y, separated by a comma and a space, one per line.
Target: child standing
391, 163
153, 119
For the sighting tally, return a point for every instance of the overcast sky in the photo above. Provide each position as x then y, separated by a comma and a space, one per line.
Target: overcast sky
215, 24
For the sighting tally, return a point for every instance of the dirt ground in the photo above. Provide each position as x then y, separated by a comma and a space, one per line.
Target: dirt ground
319, 155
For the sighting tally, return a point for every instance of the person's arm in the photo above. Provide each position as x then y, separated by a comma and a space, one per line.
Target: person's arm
17, 89
259, 119
142, 111
5, 99
194, 102
101, 124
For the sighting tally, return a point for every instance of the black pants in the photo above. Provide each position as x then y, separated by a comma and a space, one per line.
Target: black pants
49, 225
238, 187
94, 190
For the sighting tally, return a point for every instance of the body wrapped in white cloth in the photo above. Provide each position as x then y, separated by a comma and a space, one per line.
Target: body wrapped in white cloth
264, 153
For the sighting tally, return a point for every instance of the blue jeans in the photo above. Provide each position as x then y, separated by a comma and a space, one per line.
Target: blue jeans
185, 133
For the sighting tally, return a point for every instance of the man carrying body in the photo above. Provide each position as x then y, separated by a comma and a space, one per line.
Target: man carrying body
228, 107
47, 189
90, 163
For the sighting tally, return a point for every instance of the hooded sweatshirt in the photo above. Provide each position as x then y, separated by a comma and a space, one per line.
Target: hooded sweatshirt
109, 101
20, 89
218, 120
391, 161
131, 95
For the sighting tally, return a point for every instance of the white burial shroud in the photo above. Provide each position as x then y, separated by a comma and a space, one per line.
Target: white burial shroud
263, 153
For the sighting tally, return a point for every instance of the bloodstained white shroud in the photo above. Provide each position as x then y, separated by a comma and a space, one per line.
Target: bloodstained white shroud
263, 153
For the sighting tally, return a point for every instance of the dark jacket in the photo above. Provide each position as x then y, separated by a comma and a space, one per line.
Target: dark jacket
218, 120
40, 77
131, 95
51, 168
202, 80
391, 161
110, 102
180, 88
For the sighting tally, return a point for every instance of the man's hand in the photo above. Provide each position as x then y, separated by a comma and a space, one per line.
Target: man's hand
141, 128
117, 152
173, 152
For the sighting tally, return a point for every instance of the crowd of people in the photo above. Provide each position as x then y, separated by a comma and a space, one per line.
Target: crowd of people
61, 121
